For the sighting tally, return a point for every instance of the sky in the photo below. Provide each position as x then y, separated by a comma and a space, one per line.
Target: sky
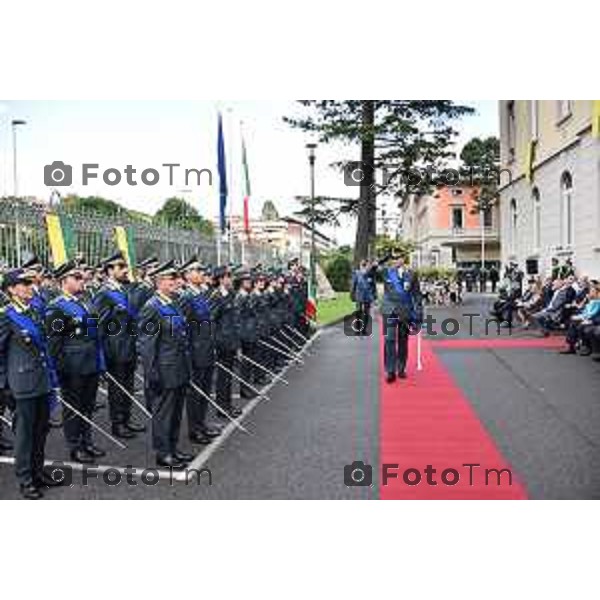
147, 134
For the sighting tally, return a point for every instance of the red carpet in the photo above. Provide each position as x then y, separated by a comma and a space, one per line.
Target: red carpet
427, 420
466, 344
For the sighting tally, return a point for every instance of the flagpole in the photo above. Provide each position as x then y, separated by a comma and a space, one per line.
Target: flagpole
229, 176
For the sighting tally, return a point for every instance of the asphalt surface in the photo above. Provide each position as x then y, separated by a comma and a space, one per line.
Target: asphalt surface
541, 408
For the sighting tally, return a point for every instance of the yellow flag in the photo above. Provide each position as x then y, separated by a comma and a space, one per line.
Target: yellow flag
56, 238
595, 118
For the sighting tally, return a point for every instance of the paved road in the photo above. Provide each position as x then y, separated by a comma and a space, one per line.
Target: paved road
541, 409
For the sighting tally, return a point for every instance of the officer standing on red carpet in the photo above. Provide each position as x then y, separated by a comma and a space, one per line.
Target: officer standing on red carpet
402, 311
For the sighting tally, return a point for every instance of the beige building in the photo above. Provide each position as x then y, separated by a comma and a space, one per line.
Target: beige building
447, 229
550, 192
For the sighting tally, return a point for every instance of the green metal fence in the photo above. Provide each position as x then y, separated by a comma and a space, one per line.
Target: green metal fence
23, 233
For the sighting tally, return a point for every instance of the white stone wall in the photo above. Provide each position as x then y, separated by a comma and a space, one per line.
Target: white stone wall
583, 162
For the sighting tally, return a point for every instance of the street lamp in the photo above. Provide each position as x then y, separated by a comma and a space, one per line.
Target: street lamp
313, 247
16, 123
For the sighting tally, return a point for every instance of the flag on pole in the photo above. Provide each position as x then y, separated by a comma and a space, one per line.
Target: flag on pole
124, 242
247, 191
222, 167
596, 118
60, 238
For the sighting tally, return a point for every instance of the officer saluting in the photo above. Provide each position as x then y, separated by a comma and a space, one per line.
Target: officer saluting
163, 346
76, 347
117, 322
28, 371
142, 289
401, 308
196, 309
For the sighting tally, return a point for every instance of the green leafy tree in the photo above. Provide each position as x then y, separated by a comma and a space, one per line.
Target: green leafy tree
387, 245
176, 212
480, 165
95, 204
395, 138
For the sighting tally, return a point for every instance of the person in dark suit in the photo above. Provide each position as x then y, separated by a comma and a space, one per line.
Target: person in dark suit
362, 289
196, 309
402, 310
75, 345
117, 321
164, 348
27, 370
225, 314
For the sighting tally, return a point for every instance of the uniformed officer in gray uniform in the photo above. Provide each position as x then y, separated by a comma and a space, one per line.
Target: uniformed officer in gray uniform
195, 306
117, 322
247, 306
74, 343
28, 372
164, 348
227, 337
402, 311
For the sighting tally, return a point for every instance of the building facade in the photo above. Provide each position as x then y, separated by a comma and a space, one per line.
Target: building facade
448, 231
285, 236
550, 183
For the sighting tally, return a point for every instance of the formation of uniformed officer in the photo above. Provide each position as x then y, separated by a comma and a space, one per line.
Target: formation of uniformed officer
164, 349
196, 330
28, 372
196, 307
75, 344
117, 322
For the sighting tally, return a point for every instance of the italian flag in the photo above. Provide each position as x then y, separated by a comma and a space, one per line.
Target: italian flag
247, 192
60, 237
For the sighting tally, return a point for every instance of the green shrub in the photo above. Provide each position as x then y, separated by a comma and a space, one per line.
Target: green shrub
339, 273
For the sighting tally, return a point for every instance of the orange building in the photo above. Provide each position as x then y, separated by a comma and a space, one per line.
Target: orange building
447, 231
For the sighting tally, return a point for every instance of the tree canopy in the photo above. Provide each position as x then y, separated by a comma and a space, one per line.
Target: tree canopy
176, 212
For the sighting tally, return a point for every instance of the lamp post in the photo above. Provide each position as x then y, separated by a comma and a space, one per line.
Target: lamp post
313, 245
15, 123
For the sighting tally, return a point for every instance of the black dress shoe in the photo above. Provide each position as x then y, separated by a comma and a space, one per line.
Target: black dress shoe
211, 432
135, 427
30, 492
94, 451
402, 374
183, 456
81, 456
390, 377
200, 438
585, 351
169, 460
121, 430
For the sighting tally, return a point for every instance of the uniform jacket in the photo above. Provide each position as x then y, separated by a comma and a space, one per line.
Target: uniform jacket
225, 312
195, 307
73, 338
117, 321
25, 365
163, 344
402, 294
